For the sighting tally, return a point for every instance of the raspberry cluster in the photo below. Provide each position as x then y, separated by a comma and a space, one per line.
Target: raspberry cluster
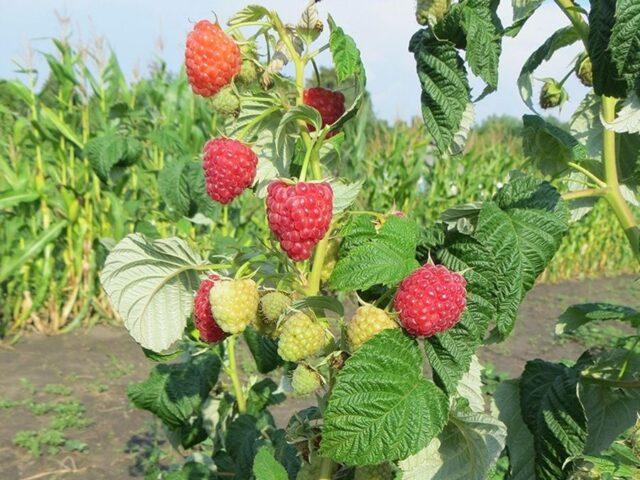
212, 58
229, 168
328, 103
299, 215
209, 329
430, 300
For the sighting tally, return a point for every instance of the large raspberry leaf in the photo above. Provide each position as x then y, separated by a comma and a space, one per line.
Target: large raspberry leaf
266, 467
445, 88
346, 56
519, 438
263, 349
625, 42
381, 407
150, 285
577, 315
550, 408
467, 449
175, 394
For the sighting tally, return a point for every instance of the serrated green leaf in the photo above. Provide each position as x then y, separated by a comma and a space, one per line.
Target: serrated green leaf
519, 439
108, 150
625, 42
628, 118
549, 147
194, 177
242, 444
606, 80
344, 194
467, 449
150, 285
175, 392
561, 38
551, 410
346, 56
261, 396
445, 89
249, 14
266, 467
374, 414
577, 315
264, 351
470, 386
484, 39
174, 187
524, 8
320, 303
385, 259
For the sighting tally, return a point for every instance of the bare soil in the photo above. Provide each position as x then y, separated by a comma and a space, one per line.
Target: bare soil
98, 364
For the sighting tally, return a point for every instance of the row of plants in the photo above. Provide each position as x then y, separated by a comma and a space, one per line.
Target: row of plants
88, 157
432, 291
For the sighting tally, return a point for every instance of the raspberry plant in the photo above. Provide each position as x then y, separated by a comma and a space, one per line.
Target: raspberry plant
434, 292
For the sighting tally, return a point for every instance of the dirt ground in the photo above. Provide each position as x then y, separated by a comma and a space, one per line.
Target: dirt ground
96, 366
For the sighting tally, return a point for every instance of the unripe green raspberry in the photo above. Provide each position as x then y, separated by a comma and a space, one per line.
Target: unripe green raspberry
552, 94
429, 12
234, 304
226, 102
584, 70
300, 338
248, 73
374, 472
367, 322
273, 304
304, 380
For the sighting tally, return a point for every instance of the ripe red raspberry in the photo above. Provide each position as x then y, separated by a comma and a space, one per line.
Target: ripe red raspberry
430, 300
229, 167
212, 58
330, 105
299, 215
209, 330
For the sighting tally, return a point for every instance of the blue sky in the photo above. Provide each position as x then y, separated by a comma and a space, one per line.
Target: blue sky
135, 29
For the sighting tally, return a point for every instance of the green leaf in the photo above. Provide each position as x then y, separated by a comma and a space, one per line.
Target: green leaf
249, 14
54, 121
610, 408
625, 42
467, 449
606, 80
445, 89
344, 194
346, 56
320, 303
150, 285
13, 198
561, 38
194, 176
174, 187
523, 9
628, 118
191, 471
109, 150
264, 351
519, 438
303, 113
385, 259
549, 147
261, 396
175, 392
551, 410
242, 443
470, 386
266, 467
577, 315
376, 415
31, 250
484, 39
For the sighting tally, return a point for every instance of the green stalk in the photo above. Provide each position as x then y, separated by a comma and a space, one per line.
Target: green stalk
232, 371
614, 196
572, 11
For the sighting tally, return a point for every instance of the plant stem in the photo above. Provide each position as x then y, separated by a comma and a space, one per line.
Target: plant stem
587, 173
586, 193
618, 204
572, 12
326, 469
313, 284
232, 371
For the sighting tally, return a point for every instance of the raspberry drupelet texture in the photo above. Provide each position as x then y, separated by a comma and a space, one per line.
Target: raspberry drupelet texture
300, 338
304, 381
229, 168
430, 300
299, 215
212, 58
234, 304
366, 323
330, 104
209, 330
